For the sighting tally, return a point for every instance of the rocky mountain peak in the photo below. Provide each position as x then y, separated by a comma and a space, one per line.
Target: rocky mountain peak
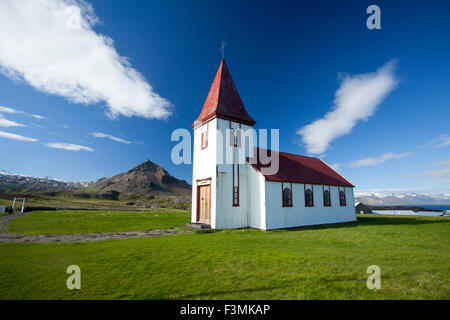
146, 178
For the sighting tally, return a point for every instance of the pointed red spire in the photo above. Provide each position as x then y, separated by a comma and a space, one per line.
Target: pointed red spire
223, 100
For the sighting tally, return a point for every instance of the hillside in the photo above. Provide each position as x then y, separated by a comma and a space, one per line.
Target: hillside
10, 182
148, 185
384, 198
147, 178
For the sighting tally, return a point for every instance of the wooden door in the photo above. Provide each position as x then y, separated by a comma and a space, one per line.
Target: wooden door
204, 207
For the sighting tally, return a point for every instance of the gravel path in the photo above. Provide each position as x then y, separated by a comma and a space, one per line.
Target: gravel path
6, 236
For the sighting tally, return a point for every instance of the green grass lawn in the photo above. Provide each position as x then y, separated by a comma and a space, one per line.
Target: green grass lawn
75, 221
66, 200
62, 201
308, 263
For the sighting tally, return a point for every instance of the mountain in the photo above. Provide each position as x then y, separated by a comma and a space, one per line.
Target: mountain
386, 198
10, 183
146, 186
148, 178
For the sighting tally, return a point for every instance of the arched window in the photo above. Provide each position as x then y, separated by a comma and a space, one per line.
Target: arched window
326, 198
287, 197
204, 136
309, 199
235, 136
342, 200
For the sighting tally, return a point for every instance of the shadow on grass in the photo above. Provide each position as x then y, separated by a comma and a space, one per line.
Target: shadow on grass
368, 220
371, 221
223, 292
329, 281
321, 226
393, 220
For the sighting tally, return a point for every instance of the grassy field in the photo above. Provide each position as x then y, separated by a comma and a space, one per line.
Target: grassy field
327, 262
66, 200
75, 221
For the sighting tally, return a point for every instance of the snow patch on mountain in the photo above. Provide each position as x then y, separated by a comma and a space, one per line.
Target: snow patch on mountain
395, 198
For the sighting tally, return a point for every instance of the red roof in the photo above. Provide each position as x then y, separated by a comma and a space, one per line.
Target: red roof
300, 169
223, 100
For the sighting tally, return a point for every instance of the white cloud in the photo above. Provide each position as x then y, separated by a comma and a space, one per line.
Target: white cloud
441, 173
9, 123
13, 136
336, 166
36, 116
356, 99
9, 110
443, 163
68, 146
43, 45
377, 160
439, 142
387, 191
110, 137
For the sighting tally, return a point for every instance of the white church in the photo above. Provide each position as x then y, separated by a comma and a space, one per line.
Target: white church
232, 189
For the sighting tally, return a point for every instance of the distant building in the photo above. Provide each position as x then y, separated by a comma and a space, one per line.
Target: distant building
362, 208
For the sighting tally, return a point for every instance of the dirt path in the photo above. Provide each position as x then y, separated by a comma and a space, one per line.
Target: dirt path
6, 236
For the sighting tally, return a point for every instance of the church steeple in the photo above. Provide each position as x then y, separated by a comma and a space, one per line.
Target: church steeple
223, 100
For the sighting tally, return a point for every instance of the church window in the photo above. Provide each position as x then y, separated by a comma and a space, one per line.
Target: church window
326, 197
287, 195
309, 198
205, 137
342, 200
235, 136
232, 137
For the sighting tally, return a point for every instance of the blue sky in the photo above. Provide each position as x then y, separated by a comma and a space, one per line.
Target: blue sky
288, 60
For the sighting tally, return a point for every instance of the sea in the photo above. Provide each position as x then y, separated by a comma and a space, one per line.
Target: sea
440, 207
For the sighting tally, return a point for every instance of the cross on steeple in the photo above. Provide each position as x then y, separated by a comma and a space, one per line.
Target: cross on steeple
222, 48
